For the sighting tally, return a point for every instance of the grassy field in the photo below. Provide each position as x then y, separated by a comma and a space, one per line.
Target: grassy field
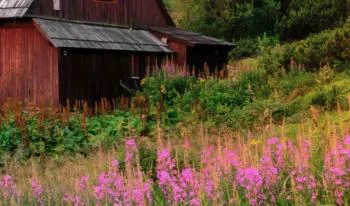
292, 164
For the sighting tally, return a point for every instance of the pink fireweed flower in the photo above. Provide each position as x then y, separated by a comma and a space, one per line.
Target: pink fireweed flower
165, 161
190, 183
272, 163
83, 183
178, 187
131, 144
74, 200
305, 182
273, 141
131, 148
347, 140
337, 171
37, 189
115, 164
207, 183
269, 171
276, 150
230, 157
251, 180
8, 188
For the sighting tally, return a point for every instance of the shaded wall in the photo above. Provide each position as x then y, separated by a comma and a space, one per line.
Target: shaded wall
28, 65
92, 75
206, 57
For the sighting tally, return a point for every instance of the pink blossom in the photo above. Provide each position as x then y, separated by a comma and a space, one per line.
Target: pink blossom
272, 141
37, 190
8, 187
251, 180
83, 183
347, 140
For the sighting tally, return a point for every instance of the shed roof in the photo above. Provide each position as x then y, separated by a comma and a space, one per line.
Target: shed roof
69, 34
190, 38
14, 8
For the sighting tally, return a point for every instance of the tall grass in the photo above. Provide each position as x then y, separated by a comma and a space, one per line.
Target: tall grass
301, 164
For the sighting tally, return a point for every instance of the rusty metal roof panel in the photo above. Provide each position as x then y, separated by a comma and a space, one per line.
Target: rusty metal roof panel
189, 37
14, 8
69, 34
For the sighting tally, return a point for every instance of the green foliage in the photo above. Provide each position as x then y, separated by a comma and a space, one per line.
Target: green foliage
244, 20
253, 46
326, 97
329, 48
24, 136
302, 17
216, 101
245, 48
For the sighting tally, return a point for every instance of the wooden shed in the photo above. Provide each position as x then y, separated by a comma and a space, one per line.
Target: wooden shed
52, 51
194, 51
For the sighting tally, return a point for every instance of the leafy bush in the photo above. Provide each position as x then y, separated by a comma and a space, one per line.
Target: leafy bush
256, 83
327, 98
296, 79
330, 47
37, 135
248, 47
245, 48
216, 95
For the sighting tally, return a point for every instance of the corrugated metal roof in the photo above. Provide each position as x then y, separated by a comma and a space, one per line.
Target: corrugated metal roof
69, 34
189, 37
14, 8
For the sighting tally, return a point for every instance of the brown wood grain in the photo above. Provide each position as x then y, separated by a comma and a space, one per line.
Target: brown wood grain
137, 13
28, 66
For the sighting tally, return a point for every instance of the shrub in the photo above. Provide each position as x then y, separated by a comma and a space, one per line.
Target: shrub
330, 47
245, 48
38, 135
327, 98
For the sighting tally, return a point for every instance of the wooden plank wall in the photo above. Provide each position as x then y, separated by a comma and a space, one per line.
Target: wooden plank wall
28, 66
180, 57
138, 13
92, 75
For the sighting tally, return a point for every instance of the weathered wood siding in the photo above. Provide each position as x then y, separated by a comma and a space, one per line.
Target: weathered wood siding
138, 13
92, 75
28, 65
180, 56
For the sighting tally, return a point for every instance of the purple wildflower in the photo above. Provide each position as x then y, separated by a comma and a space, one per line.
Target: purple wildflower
8, 188
37, 190
251, 180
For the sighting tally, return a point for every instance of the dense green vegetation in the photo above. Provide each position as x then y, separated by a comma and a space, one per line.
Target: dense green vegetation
243, 21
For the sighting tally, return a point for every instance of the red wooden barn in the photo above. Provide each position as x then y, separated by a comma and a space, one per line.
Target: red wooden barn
54, 50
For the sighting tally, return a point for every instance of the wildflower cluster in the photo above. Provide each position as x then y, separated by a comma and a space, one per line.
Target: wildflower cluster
281, 171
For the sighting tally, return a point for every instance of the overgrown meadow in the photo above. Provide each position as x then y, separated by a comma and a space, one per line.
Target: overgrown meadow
310, 168
277, 133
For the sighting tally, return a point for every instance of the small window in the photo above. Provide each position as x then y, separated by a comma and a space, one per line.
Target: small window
57, 5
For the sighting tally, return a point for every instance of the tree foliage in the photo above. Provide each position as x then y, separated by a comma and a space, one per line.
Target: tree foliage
239, 19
